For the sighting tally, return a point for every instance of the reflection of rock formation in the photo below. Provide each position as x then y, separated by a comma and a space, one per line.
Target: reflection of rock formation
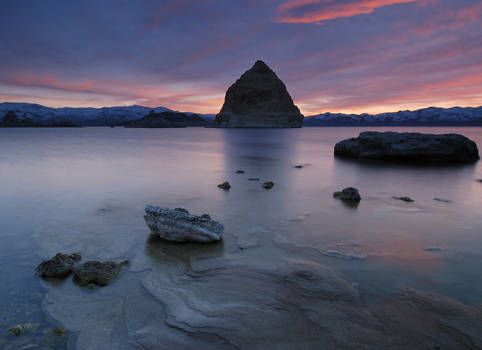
259, 99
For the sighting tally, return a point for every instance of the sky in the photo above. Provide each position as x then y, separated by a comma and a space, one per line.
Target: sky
349, 56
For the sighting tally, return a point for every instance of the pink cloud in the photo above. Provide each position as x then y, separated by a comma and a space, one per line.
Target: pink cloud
328, 10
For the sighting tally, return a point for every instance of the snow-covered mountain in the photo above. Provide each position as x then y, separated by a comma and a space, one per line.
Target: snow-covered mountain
123, 114
425, 116
79, 116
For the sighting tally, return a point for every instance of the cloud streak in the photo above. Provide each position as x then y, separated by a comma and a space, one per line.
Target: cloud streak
319, 11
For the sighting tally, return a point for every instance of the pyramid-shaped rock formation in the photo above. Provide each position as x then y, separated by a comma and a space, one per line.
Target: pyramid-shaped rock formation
259, 99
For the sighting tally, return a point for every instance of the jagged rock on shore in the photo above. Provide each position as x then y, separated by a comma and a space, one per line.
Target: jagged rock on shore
180, 226
348, 194
59, 266
259, 99
97, 273
449, 148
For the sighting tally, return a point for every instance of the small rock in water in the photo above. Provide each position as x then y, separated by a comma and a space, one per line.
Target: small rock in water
433, 249
253, 179
225, 185
298, 166
180, 226
59, 332
268, 185
442, 200
59, 266
18, 330
348, 194
96, 272
240, 171
404, 198
480, 180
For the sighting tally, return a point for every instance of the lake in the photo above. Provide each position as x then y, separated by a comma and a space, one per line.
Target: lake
297, 269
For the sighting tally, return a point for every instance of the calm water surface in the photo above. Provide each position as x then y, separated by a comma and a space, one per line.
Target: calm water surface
85, 190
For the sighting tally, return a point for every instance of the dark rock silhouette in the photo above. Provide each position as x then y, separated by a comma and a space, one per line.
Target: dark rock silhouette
259, 99
167, 120
448, 148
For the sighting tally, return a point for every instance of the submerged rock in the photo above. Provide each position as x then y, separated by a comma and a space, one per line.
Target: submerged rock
59, 266
404, 198
240, 171
96, 272
225, 186
259, 99
253, 179
268, 185
442, 200
433, 249
348, 194
298, 167
180, 226
18, 330
450, 148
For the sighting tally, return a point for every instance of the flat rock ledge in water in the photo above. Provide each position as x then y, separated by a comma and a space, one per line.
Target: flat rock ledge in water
448, 148
97, 273
179, 225
348, 194
59, 266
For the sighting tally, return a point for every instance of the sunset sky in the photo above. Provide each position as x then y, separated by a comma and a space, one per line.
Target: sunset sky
333, 55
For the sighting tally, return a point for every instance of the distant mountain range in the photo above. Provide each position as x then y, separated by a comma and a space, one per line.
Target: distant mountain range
106, 116
125, 115
426, 116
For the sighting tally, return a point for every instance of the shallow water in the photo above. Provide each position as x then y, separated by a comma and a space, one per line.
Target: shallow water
85, 190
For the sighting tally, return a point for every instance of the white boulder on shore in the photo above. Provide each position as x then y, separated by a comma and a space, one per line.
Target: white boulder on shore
179, 225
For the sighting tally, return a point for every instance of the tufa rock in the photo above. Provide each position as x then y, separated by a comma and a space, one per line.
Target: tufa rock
59, 266
225, 185
449, 148
180, 226
348, 194
259, 99
240, 171
268, 185
96, 272
18, 330
404, 198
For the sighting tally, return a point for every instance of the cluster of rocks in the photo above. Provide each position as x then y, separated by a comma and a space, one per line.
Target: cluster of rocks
227, 186
89, 273
351, 194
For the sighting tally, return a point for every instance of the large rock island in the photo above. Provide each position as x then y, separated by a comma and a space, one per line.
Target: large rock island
259, 99
449, 148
